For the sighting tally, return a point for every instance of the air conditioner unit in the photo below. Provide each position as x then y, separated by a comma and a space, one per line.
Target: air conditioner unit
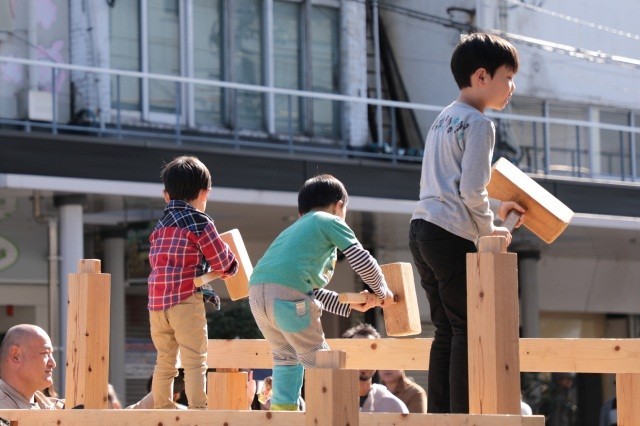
36, 105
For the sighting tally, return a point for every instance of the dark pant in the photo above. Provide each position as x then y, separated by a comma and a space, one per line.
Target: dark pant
440, 258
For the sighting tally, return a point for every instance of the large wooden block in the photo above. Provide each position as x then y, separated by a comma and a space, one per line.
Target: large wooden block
628, 395
87, 366
331, 393
238, 284
403, 317
493, 320
227, 390
546, 216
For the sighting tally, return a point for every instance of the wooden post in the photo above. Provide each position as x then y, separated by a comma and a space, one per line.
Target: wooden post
493, 320
331, 393
227, 390
87, 366
628, 395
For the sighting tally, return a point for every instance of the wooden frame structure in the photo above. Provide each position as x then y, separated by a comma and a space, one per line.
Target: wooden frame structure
487, 297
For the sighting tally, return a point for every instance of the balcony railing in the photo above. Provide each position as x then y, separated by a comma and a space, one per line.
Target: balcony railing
538, 144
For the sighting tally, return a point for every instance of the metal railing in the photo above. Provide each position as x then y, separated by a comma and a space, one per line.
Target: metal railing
538, 148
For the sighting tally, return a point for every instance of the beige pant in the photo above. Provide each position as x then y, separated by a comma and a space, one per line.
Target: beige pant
183, 327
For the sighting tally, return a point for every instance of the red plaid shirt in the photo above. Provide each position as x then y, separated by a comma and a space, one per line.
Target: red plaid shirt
184, 244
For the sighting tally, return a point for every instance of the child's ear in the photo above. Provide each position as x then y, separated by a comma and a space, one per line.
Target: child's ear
480, 76
204, 194
166, 195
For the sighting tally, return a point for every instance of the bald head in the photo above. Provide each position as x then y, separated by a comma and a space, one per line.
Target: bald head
19, 335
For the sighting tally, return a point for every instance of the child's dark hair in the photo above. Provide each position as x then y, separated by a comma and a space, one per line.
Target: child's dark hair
184, 177
319, 192
481, 50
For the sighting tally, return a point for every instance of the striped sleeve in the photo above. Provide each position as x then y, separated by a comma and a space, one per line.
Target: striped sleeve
330, 302
367, 267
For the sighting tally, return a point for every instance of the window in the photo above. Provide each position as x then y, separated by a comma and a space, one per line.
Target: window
287, 59
224, 40
124, 27
325, 65
246, 59
208, 61
306, 45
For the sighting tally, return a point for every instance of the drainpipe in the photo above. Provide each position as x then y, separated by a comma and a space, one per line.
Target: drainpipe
32, 37
53, 259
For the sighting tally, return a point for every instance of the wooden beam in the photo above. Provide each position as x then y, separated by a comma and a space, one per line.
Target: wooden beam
580, 355
241, 418
536, 355
366, 354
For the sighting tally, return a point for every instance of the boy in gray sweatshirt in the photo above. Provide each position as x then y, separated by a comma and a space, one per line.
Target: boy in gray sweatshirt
454, 209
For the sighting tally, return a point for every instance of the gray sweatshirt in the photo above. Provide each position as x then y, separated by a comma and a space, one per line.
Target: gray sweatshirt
455, 172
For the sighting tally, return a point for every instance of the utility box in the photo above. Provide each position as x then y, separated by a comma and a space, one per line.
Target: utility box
36, 105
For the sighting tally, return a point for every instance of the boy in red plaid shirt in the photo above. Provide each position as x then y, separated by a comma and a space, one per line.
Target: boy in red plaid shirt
184, 245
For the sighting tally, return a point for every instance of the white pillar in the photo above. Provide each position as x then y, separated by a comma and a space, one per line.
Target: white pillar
114, 264
529, 300
353, 33
71, 250
594, 143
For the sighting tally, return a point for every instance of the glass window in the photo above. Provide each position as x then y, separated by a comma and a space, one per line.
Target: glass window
615, 147
207, 60
325, 66
164, 53
287, 49
569, 143
247, 61
124, 27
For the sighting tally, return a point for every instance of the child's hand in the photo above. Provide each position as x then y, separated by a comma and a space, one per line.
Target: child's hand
506, 207
388, 298
502, 232
372, 301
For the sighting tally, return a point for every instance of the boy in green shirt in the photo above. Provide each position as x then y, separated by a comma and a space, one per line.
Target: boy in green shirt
286, 289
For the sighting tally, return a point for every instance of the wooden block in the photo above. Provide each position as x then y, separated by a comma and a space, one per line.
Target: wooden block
227, 391
403, 317
87, 365
493, 319
545, 216
628, 395
238, 284
331, 394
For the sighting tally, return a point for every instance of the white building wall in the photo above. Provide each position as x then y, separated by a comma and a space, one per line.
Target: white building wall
594, 285
423, 49
555, 76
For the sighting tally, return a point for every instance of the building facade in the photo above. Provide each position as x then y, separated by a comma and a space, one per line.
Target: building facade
96, 96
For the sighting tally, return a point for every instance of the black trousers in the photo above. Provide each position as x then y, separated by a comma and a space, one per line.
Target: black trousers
440, 258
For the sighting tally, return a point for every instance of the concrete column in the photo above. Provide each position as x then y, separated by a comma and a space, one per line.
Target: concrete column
529, 300
594, 143
353, 67
114, 243
70, 210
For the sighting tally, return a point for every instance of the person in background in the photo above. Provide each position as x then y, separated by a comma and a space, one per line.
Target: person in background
26, 367
559, 402
373, 397
112, 398
412, 394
